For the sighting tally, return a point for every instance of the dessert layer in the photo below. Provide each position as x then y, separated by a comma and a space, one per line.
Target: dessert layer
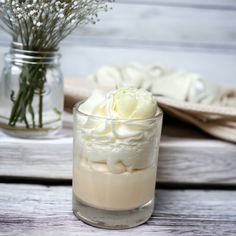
95, 185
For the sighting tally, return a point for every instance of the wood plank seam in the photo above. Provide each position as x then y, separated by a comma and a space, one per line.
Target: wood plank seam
191, 4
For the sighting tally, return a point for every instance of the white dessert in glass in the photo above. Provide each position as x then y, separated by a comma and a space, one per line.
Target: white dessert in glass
116, 143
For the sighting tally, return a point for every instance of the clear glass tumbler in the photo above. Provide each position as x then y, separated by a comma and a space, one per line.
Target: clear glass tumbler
114, 169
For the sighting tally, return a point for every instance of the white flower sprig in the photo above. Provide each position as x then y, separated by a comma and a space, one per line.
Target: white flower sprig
40, 25
43, 24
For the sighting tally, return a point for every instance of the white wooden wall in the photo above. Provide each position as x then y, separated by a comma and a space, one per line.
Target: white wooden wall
196, 35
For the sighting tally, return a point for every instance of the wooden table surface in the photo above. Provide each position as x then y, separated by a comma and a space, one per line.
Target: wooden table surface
196, 188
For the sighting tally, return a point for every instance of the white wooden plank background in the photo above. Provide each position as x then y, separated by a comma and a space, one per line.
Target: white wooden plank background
164, 22
199, 36
86, 60
82, 61
187, 3
47, 211
155, 25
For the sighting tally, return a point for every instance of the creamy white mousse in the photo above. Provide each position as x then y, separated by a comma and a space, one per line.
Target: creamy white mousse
115, 148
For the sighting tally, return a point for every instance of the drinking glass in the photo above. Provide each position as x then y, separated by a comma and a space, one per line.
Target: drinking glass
114, 169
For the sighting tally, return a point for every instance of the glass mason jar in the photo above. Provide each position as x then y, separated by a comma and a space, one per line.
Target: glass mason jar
31, 93
114, 178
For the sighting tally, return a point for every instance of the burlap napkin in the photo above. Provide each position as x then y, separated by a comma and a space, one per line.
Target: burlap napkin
218, 121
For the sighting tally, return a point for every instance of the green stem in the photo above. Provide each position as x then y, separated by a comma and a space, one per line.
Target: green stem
42, 80
13, 118
41, 108
32, 79
31, 110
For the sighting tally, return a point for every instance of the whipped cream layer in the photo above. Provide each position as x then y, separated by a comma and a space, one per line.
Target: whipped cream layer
119, 129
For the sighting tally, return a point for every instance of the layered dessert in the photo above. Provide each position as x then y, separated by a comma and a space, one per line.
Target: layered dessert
115, 149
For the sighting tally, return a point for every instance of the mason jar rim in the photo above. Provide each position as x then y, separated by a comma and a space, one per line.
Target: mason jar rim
26, 52
19, 47
20, 54
76, 110
23, 56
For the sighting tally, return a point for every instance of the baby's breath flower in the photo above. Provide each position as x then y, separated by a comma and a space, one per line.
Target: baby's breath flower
43, 24
40, 25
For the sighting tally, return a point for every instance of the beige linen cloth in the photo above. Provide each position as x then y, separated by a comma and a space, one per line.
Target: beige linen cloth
187, 96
